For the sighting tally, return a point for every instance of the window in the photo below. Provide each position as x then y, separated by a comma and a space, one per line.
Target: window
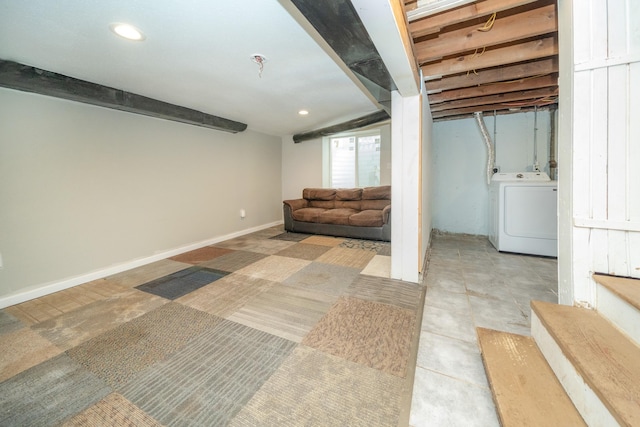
355, 160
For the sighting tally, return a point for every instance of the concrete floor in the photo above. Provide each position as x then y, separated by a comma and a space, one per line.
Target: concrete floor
470, 284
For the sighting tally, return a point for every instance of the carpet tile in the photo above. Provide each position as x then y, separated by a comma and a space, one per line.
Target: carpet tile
356, 258
9, 323
323, 240
181, 282
291, 237
274, 268
379, 266
27, 350
49, 393
113, 410
372, 334
225, 296
381, 248
284, 311
212, 379
200, 255
312, 388
233, 261
75, 327
118, 354
304, 251
387, 291
146, 273
326, 278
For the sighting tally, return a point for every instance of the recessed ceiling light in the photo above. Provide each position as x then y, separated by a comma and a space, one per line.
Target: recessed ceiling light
127, 31
303, 112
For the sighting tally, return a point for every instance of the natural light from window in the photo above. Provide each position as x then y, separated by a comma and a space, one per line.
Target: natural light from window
355, 160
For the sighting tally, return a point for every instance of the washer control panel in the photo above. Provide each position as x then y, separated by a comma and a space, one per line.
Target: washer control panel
520, 176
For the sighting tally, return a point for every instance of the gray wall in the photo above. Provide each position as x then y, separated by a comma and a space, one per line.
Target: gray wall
84, 188
460, 191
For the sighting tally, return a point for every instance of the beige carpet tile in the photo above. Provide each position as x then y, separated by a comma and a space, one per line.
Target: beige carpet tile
271, 247
268, 233
49, 306
356, 258
116, 355
284, 311
372, 334
379, 266
368, 245
113, 410
387, 291
209, 381
146, 273
9, 323
274, 268
315, 389
200, 255
233, 261
304, 251
22, 349
323, 240
72, 328
327, 278
242, 243
225, 296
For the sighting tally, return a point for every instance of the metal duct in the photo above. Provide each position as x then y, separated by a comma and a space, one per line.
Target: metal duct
487, 141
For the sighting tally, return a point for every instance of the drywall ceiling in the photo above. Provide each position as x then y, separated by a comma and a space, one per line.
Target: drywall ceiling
197, 54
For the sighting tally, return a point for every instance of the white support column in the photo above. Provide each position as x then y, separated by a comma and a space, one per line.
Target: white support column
405, 185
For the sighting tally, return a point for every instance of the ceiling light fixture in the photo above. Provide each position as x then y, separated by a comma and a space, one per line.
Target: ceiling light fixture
127, 31
260, 60
303, 112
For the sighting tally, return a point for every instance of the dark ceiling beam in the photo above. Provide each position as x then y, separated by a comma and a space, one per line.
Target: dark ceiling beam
30, 79
377, 117
339, 25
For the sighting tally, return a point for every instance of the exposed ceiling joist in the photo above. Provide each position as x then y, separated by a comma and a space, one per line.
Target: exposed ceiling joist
496, 100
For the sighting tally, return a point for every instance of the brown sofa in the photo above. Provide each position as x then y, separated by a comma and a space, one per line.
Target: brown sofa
363, 213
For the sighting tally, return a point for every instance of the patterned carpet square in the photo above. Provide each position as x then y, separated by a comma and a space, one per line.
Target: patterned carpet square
9, 323
380, 248
327, 278
119, 353
304, 251
323, 240
113, 410
372, 334
182, 282
315, 389
291, 237
211, 380
274, 268
284, 311
225, 296
387, 291
146, 273
49, 393
356, 258
200, 255
233, 261
27, 350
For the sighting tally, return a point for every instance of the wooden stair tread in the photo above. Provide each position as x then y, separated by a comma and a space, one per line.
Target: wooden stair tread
525, 389
607, 360
625, 288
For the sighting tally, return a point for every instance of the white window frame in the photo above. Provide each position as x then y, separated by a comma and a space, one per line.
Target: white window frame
357, 134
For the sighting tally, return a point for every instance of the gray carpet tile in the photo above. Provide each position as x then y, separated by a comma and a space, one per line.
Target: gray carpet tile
233, 261
304, 251
9, 323
381, 248
209, 381
118, 354
291, 237
182, 282
326, 278
387, 291
49, 393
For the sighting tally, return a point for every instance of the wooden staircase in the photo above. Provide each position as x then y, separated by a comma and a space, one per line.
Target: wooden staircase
579, 367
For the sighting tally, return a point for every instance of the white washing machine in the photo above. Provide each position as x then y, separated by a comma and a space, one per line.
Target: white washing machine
523, 213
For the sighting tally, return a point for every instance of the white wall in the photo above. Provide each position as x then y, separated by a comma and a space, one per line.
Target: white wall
427, 176
84, 188
460, 194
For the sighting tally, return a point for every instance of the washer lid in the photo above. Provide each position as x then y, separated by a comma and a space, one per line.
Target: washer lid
521, 176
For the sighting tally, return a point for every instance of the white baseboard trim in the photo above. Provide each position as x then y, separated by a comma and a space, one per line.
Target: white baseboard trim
49, 288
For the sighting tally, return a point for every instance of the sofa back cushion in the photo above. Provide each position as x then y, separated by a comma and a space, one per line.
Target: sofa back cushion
374, 204
347, 204
377, 193
319, 193
349, 194
326, 204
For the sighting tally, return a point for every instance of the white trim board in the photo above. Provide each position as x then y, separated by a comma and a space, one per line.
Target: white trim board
60, 285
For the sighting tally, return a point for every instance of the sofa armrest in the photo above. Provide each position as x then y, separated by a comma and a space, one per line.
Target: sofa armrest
296, 204
386, 214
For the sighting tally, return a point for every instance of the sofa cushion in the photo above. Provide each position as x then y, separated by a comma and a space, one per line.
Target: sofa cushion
368, 218
349, 194
319, 193
307, 214
374, 204
325, 204
349, 204
374, 193
336, 216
